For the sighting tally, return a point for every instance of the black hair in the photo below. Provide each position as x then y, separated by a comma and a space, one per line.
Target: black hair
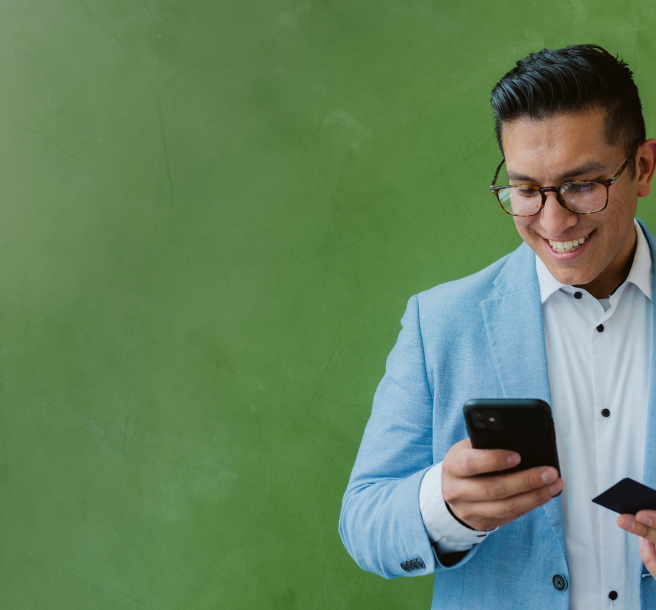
573, 79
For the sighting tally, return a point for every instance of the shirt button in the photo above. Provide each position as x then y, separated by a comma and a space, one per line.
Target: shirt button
560, 582
613, 595
578, 295
600, 328
605, 412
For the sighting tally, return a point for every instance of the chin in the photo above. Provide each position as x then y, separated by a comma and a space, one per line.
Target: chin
569, 278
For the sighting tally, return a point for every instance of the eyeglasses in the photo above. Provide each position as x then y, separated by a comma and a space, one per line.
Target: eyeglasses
579, 197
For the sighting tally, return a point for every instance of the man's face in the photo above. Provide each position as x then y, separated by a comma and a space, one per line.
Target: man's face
568, 147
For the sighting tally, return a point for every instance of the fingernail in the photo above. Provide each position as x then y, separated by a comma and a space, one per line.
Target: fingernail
550, 475
644, 519
643, 543
629, 526
514, 459
556, 487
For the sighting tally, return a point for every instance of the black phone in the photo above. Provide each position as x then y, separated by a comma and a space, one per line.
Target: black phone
523, 425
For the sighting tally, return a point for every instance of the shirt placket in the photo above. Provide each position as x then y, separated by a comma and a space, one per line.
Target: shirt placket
611, 537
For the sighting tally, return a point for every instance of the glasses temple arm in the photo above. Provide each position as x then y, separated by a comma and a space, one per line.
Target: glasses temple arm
496, 174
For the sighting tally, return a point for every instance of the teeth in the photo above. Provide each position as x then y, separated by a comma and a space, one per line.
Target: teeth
566, 246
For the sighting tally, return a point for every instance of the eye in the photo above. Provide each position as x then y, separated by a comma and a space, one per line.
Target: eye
524, 192
578, 188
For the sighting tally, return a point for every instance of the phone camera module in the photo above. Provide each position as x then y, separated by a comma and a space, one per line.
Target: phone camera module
486, 420
479, 420
493, 420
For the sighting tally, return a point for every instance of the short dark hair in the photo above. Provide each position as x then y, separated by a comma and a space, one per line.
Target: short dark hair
573, 79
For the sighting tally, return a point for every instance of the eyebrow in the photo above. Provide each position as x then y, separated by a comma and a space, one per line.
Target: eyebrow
577, 171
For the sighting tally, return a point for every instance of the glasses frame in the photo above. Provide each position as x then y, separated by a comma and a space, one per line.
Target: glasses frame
556, 189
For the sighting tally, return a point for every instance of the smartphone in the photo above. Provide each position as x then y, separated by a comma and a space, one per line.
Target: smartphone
523, 425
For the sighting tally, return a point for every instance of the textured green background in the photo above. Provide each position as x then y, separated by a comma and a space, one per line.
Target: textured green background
213, 214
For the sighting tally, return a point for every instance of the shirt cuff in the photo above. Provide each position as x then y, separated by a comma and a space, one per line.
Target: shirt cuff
442, 528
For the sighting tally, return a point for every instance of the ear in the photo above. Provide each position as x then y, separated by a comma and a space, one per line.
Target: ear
646, 162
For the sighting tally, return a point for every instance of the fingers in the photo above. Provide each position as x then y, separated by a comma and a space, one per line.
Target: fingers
463, 461
487, 515
498, 487
647, 517
636, 525
648, 555
485, 502
641, 526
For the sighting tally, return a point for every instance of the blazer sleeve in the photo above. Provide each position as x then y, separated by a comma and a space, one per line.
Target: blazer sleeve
380, 523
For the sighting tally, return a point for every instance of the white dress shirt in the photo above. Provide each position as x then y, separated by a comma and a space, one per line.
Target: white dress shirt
599, 360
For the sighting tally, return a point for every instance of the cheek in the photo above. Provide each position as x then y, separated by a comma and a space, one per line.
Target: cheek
523, 226
623, 200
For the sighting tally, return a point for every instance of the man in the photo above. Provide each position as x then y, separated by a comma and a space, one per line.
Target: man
567, 318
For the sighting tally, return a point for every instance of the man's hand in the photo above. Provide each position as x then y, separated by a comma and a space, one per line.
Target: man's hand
643, 525
485, 502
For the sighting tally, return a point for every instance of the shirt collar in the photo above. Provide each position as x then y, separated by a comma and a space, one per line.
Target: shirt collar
641, 274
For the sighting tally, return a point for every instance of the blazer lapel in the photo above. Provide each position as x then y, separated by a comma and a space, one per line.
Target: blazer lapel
649, 469
515, 330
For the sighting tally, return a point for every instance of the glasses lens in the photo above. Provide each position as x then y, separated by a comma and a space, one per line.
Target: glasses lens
520, 200
584, 196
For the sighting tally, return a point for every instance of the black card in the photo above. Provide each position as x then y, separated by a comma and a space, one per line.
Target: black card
628, 497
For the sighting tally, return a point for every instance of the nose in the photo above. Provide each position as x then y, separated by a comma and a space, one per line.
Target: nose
554, 218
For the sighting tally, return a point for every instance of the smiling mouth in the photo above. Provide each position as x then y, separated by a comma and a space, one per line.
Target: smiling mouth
567, 246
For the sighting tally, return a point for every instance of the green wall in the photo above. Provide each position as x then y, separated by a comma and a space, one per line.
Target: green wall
212, 216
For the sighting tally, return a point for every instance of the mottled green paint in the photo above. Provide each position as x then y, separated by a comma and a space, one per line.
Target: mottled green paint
213, 214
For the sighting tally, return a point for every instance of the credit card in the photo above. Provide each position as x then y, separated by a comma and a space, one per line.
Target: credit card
627, 497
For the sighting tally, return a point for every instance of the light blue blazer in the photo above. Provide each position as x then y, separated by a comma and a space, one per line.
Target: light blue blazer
478, 337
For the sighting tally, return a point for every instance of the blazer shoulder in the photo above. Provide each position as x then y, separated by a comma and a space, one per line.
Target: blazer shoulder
466, 292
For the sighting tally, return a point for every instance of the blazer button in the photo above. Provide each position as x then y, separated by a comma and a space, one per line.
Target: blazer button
420, 564
560, 582
405, 567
